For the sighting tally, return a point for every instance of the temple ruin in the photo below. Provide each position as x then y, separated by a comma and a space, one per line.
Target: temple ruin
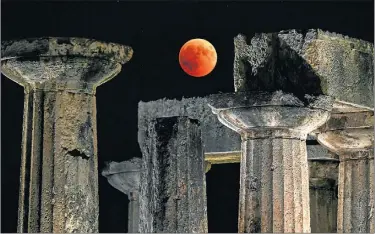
300, 122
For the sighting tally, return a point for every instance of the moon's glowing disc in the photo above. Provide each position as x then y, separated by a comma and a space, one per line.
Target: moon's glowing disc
197, 57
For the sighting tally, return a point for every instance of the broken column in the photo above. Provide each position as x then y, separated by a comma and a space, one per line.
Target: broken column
125, 176
173, 196
274, 180
59, 180
351, 136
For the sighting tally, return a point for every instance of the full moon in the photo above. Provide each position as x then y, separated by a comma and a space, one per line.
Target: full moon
197, 57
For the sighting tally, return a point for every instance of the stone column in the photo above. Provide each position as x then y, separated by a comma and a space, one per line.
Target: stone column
274, 184
173, 195
125, 176
323, 173
59, 180
351, 136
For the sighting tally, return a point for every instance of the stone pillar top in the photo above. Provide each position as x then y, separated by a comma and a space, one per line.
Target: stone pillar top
124, 176
306, 62
348, 132
274, 114
69, 64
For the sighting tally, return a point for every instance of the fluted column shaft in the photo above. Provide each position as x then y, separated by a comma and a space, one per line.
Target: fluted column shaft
323, 194
173, 195
356, 192
351, 137
59, 174
59, 177
274, 194
274, 179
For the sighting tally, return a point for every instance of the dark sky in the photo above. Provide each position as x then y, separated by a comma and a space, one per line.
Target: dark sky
156, 31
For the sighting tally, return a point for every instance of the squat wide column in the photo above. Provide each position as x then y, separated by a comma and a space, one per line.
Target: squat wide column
274, 179
59, 177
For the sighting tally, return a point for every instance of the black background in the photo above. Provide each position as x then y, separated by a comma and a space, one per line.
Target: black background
156, 31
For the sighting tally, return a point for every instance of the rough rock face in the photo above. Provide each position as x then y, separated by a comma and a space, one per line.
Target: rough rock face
65, 64
173, 195
215, 136
59, 174
312, 62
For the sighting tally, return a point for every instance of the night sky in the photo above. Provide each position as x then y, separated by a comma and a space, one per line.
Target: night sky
156, 31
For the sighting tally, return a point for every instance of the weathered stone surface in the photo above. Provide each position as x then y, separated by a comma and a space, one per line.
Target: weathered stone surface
65, 64
314, 152
311, 62
274, 182
173, 195
126, 177
59, 174
65, 46
216, 137
59, 181
356, 193
356, 177
323, 174
280, 111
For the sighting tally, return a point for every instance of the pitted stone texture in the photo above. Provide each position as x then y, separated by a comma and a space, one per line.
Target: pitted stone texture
69, 64
274, 186
258, 114
356, 193
59, 180
215, 136
356, 176
173, 196
65, 46
59, 177
312, 62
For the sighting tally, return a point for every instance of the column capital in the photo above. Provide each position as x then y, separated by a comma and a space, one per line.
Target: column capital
125, 176
346, 133
270, 115
62, 64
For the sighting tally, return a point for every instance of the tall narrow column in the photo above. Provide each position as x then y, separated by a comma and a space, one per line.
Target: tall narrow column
125, 176
350, 136
59, 178
323, 193
274, 180
173, 196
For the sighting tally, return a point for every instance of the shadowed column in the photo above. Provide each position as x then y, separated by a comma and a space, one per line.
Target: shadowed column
274, 180
323, 181
173, 195
351, 136
125, 176
59, 180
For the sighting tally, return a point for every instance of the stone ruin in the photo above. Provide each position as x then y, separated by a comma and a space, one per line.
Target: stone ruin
291, 89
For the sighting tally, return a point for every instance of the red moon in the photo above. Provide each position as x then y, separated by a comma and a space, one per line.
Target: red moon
197, 57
